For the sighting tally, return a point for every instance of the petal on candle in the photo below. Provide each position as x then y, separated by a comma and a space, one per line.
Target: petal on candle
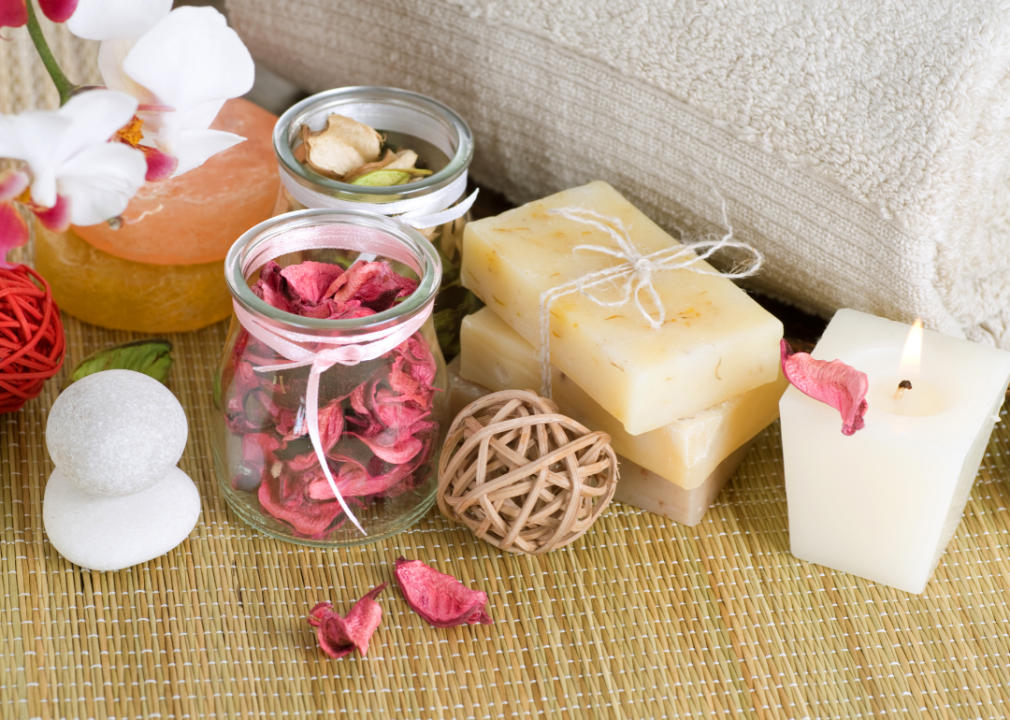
839, 385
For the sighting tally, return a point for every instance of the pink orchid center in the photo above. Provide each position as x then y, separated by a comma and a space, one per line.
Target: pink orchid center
57, 10
13, 13
13, 231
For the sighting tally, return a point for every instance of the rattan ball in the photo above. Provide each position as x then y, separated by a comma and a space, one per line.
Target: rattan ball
522, 476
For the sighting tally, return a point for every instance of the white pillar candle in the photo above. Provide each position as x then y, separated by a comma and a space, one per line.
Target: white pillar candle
883, 503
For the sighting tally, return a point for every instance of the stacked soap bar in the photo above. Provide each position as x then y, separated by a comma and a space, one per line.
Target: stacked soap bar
681, 403
684, 452
716, 341
637, 485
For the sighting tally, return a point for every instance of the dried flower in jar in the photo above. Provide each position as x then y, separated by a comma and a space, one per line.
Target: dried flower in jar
342, 146
349, 151
375, 418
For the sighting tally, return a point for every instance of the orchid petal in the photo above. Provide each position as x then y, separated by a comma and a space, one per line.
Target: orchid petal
834, 383
13, 13
29, 137
12, 184
101, 180
116, 19
111, 55
94, 117
160, 165
50, 142
57, 10
13, 230
56, 218
191, 57
194, 147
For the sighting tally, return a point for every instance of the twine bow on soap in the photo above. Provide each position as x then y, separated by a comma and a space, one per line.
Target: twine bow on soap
322, 353
634, 273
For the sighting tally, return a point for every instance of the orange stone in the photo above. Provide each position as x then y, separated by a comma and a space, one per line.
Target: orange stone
120, 294
194, 218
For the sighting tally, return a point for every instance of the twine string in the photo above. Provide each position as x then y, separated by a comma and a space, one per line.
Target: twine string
633, 275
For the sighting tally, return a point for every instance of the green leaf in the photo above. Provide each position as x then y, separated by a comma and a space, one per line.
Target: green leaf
151, 357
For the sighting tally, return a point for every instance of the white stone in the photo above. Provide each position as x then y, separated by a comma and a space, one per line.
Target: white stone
116, 432
111, 533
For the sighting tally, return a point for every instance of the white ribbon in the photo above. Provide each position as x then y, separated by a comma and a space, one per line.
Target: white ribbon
424, 211
322, 353
636, 271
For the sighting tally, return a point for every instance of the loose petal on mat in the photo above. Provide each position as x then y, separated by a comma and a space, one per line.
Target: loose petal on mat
835, 383
440, 599
339, 636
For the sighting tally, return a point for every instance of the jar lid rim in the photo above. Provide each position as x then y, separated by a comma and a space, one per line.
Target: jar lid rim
294, 116
424, 294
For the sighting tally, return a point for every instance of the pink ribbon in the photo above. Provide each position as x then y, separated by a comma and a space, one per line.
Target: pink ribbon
322, 353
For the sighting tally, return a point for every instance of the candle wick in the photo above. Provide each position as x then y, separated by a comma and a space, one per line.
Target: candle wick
902, 387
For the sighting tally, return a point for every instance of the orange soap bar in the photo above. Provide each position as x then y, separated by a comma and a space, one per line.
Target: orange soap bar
195, 218
114, 293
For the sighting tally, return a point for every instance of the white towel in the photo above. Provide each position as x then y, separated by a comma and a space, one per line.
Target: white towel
861, 144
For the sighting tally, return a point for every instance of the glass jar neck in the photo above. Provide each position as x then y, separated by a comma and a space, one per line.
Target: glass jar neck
374, 236
387, 110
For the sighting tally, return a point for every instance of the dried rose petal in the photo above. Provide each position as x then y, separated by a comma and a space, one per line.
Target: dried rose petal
835, 383
307, 281
339, 636
375, 285
440, 599
374, 418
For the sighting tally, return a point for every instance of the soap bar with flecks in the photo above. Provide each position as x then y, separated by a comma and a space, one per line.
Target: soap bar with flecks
637, 486
685, 452
716, 342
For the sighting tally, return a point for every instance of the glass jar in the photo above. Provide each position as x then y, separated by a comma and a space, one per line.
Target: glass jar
435, 205
380, 381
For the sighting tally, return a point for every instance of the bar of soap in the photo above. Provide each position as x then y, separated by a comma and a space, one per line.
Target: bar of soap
716, 342
637, 486
685, 452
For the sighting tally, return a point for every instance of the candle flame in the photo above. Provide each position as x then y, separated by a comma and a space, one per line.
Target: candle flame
912, 354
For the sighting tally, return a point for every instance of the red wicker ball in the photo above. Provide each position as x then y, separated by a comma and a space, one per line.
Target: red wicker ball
31, 336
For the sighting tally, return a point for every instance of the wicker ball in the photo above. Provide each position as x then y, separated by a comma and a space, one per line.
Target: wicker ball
31, 336
522, 476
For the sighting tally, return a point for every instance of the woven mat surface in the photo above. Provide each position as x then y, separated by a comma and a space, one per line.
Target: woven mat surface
641, 618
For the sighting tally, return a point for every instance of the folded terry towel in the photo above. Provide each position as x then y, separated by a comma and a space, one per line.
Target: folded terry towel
861, 144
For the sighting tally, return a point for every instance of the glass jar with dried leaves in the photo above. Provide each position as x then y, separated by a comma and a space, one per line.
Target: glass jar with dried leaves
390, 152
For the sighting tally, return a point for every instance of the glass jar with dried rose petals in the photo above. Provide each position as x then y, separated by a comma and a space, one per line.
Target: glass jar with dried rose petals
391, 152
331, 390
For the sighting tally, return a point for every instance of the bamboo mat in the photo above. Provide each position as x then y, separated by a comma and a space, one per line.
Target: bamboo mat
641, 618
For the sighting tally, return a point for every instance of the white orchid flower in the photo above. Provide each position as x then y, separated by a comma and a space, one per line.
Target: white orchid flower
77, 175
181, 65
